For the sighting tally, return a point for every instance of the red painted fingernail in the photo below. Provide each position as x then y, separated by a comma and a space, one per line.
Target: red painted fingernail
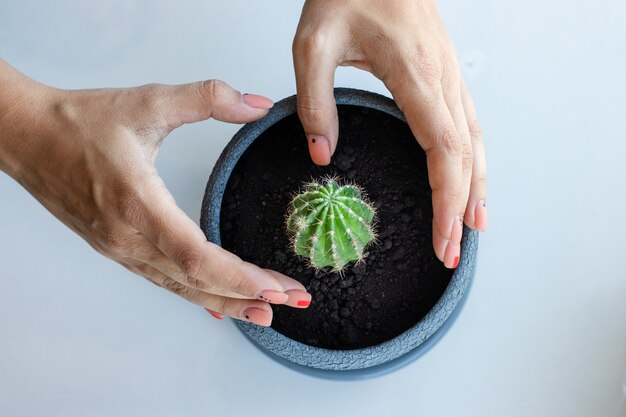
451, 257
258, 102
457, 230
298, 298
215, 314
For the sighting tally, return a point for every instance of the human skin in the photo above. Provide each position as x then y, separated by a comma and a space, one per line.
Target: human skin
405, 45
88, 156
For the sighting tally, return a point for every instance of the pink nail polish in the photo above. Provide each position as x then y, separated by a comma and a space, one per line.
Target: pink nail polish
319, 148
215, 314
258, 316
298, 298
274, 297
258, 102
452, 255
480, 216
457, 231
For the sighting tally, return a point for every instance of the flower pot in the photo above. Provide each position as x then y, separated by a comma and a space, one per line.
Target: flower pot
374, 317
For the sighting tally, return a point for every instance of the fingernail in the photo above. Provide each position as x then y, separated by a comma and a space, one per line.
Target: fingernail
480, 216
452, 256
215, 314
258, 316
258, 102
319, 148
453, 248
274, 297
298, 298
457, 231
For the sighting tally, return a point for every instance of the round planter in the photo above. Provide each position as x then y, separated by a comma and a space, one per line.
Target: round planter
360, 363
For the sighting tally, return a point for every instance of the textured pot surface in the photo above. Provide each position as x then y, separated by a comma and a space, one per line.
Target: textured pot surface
355, 363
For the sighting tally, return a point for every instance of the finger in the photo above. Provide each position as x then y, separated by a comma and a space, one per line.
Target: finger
452, 97
298, 296
188, 103
315, 63
146, 252
164, 224
433, 126
142, 250
215, 314
257, 312
476, 212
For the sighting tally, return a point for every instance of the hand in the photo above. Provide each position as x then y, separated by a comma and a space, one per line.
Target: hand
405, 45
88, 156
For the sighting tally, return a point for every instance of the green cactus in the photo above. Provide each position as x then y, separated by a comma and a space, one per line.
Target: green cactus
330, 224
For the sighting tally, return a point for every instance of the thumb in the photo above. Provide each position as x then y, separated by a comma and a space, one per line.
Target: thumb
315, 74
194, 102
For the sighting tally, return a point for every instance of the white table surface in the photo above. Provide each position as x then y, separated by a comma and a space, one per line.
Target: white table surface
544, 330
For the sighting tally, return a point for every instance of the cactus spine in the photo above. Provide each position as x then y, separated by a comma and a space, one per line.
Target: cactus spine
330, 224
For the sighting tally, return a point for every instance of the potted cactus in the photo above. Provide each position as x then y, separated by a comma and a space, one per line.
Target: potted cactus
380, 296
330, 224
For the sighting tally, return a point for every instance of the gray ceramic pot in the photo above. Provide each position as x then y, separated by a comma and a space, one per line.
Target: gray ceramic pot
339, 364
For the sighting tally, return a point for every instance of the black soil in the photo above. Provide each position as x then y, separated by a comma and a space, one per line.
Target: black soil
401, 279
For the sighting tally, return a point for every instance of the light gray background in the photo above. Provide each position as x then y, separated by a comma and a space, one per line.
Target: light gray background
544, 330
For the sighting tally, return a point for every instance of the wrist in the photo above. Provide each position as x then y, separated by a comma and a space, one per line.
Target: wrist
24, 106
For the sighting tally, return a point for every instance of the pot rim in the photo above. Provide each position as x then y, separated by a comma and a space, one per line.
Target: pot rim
300, 353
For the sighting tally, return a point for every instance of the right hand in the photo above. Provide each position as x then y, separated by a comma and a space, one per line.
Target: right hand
404, 44
88, 156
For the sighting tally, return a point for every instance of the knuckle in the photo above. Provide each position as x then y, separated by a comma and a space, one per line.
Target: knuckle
310, 43
429, 67
237, 281
450, 142
195, 283
449, 64
234, 277
467, 157
178, 275
219, 304
176, 287
190, 261
214, 90
310, 110
116, 243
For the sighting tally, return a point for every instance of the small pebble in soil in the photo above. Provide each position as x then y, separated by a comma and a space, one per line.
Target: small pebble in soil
345, 283
359, 268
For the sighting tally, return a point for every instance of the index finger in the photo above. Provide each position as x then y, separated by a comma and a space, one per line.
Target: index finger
161, 221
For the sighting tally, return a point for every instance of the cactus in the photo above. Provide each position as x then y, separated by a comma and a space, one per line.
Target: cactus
330, 224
